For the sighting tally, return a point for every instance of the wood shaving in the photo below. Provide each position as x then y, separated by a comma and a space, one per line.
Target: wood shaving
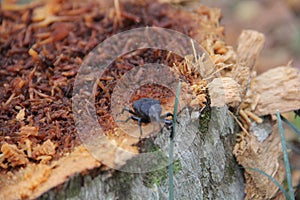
27, 131
243, 114
34, 54
2, 164
21, 115
47, 148
199, 94
14, 156
254, 117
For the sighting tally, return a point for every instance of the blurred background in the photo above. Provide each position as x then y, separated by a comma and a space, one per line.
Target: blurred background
279, 20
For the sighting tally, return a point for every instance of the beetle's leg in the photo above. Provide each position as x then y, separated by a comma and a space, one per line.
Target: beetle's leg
168, 114
139, 124
169, 125
128, 110
171, 132
168, 122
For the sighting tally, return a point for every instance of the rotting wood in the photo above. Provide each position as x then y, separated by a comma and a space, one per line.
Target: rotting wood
263, 155
35, 179
277, 89
45, 89
42, 60
250, 44
225, 91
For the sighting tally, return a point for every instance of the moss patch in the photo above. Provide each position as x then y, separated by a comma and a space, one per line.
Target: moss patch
205, 117
159, 176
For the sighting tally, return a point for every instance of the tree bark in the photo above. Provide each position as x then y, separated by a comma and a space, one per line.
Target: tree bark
208, 169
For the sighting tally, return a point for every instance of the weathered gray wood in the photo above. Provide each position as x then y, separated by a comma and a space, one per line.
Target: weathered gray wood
208, 169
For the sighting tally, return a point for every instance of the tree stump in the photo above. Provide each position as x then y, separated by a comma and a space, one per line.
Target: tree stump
207, 169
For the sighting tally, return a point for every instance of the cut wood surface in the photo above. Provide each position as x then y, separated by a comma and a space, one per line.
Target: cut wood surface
276, 89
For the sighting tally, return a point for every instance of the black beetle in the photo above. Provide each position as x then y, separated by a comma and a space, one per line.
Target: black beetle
148, 110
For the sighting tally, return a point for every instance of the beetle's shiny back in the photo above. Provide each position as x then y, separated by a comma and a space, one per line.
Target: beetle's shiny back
148, 109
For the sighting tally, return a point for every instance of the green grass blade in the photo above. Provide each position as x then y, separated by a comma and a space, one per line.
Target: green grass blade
171, 150
285, 157
273, 180
175, 110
